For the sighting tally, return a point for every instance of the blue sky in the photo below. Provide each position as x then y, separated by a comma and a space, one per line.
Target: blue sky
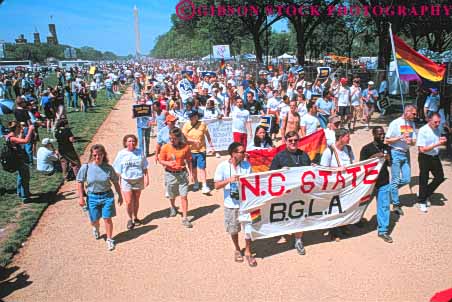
104, 25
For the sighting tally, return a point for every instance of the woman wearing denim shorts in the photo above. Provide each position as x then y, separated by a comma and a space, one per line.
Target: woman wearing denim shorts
99, 176
132, 167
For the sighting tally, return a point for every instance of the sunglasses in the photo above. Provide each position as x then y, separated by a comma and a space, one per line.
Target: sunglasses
241, 152
295, 140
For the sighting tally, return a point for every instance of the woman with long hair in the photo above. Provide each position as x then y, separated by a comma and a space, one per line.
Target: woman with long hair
262, 138
98, 176
176, 158
132, 167
15, 139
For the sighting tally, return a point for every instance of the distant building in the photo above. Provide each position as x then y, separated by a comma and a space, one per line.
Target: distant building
37, 38
53, 35
21, 39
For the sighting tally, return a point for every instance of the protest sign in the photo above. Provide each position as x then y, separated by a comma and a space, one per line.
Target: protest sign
92, 70
141, 110
221, 52
308, 198
266, 122
323, 72
221, 131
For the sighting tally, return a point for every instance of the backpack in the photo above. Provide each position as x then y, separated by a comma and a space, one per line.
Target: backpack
8, 158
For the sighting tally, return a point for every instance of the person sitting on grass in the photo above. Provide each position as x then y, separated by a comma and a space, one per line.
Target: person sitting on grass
48, 160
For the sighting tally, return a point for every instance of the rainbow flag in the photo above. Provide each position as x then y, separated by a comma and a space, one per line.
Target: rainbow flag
407, 73
423, 66
313, 145
222, 67
256, 216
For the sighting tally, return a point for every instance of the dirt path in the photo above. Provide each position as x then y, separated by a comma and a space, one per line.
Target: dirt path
163, 261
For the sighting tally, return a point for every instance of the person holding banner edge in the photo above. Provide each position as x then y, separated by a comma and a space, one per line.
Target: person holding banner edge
292, 157
378, 148
227, 177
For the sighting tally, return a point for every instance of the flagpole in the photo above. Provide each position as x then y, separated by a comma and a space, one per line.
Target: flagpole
396, 65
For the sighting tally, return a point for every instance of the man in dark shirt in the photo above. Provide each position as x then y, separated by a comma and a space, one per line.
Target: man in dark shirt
292, 157
378, 148
253, 106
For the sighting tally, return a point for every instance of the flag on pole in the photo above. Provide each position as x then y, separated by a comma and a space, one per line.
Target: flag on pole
423, 66
406, 72
313, 145
222, 67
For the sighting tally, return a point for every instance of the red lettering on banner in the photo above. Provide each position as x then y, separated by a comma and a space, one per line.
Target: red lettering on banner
279, 8
325, 175
314, 10
353, 171
424, 9
231, 10
247, 185
368, 171
221, 11
413, 11
268, 10
401, 10
309, 184
202, 10
254, 10
339, 179
342, 10
270, 184
436, 10
330, 10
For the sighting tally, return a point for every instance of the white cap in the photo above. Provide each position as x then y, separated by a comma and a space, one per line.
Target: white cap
47, 141
370, 83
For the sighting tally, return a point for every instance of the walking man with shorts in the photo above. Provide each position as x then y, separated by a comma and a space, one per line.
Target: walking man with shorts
343, 102
227, 177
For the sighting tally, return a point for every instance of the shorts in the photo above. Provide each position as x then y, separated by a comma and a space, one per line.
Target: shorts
198, 160
369, 108
357, 112
231, 220
176, 183
101, 205
240, 138
344, 111
128, 185
93, 93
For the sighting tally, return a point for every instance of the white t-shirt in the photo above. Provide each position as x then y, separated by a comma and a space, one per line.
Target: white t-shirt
239, 119
283, 109
356, 95
93, 86
428, 136
225, 170
310, 122
130, 164
275, 82
302, 110
343, 97
46, 158
346, 157
398, 127
272, 104
330, 136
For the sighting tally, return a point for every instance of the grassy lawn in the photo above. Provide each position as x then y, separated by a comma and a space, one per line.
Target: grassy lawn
17, 219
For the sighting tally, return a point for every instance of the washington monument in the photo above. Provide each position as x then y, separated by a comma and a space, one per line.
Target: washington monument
137, 32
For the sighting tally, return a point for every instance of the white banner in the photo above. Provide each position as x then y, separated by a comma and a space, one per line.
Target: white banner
221, 52
221, 131
306, 198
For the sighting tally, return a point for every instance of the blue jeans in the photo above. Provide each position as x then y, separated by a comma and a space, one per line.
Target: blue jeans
400, 165
383, 212
144, 143
67, 95
74, 100
110, 94
23, 181
28, 147
323, 119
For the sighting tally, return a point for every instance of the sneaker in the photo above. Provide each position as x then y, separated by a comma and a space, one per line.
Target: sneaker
196, 186
172, 212
110, 244
96, 233
300, 247
130, 225
398, 210
187, 223
385, 237
423, 207
205, 189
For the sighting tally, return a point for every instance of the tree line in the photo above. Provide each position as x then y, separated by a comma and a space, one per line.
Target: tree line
39, 53
309, 36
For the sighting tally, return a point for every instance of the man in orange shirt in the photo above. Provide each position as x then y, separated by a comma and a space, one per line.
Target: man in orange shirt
196, 133
176, 158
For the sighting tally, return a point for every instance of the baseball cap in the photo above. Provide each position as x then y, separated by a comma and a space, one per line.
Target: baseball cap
344, 80
47, 141
370, 83
170, 118
334, 119
434, 89
193, 113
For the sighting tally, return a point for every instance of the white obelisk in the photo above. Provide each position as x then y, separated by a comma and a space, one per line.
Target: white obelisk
137, 32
